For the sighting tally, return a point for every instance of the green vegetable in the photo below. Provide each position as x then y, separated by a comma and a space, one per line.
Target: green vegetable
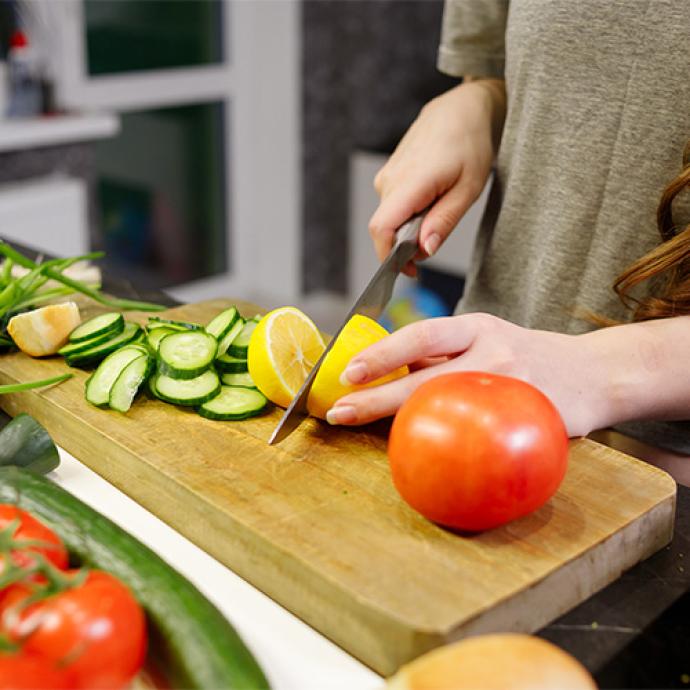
190, 635
101, 382
230, 336
21, 292
189, 392
111, 323
158, 322
231, 365
96, 353
25, 443
128, 383
234, 403
238, 380
186, 355
29, 385
239, 346
222, 323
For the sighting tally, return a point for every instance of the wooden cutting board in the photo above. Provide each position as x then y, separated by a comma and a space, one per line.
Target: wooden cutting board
316, 523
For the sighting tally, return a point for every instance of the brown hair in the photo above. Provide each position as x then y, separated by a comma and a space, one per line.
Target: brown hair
668, 264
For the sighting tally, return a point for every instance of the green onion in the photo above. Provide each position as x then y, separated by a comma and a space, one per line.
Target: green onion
19, 387
53, 269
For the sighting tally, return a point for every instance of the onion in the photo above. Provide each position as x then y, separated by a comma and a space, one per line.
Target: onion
494, 662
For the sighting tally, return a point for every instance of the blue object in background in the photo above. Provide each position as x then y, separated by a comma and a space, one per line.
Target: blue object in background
413, 304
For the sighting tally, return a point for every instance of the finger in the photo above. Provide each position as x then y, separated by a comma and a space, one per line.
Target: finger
445, 214
428, 362
397, 207
381, 401
417, 341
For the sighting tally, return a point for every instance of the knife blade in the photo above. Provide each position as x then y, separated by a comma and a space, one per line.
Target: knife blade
371, 302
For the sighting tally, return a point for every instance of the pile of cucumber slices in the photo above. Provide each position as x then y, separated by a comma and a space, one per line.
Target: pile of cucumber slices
188, 364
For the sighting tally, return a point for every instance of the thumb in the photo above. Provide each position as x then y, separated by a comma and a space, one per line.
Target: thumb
444, 215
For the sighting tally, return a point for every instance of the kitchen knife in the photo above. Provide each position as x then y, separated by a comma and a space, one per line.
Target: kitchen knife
371, 302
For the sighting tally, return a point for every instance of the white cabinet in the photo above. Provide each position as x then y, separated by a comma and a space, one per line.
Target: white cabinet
49, 213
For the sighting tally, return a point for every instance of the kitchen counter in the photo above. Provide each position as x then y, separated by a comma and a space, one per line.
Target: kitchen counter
635, 633
293, 655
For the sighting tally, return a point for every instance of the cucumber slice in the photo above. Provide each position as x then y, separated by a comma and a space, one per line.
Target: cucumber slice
187, 391
100, 383
113, 322
186, 355
154, 337
231, 365
128, 383
83, 345
224, 342
243, 380
238, 347
234, 403
222, 323
98, 352
158, 322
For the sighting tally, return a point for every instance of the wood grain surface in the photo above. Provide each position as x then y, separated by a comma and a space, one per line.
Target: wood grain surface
316, 523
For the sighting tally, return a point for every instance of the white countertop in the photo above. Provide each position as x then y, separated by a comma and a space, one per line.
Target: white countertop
36, 132
293, 655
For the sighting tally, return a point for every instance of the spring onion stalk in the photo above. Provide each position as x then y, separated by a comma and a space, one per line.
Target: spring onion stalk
53, 271
6, 272
44, 296
19, 387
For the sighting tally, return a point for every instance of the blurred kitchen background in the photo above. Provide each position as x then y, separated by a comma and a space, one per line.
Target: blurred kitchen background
219, 147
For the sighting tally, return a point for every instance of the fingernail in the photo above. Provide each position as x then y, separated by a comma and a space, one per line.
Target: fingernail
355, 372
341, 414
433, 242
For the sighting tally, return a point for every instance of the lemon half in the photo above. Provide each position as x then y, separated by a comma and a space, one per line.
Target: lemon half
282, 351
358, 333
286, 345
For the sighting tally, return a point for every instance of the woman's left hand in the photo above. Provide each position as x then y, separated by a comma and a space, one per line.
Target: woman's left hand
566, 368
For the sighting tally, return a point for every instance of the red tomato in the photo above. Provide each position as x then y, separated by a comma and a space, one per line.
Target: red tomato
31, 529
472, 450
23, 671
96, 630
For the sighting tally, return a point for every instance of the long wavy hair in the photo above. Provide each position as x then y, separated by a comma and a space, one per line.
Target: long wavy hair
667, 265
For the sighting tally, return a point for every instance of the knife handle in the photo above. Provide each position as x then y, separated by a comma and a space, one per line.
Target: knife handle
409, 232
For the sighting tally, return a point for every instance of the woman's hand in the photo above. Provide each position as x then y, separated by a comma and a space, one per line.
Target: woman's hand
443, 161
568, 369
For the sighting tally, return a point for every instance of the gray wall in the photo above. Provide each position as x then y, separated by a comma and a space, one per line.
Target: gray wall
368, 66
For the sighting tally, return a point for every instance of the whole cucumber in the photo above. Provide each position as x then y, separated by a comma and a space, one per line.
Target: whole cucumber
25, 443
191, 637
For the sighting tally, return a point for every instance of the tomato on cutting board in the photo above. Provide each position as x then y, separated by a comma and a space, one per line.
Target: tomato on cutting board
95, 629
29, 535
473, 450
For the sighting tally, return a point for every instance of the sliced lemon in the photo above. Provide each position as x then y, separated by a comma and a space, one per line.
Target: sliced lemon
283, 349
358, 333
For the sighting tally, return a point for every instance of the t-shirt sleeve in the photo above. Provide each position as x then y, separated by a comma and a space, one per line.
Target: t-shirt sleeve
473, 38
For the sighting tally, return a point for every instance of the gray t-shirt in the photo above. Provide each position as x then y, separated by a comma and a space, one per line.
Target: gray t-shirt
598, 115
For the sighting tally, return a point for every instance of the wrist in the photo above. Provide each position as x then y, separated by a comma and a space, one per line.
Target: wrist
493, 92
626, 365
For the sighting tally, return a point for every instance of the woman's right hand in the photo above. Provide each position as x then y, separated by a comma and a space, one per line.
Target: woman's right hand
443, 161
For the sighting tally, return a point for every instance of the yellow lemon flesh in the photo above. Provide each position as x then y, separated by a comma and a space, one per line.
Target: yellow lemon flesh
359, 333
283, 349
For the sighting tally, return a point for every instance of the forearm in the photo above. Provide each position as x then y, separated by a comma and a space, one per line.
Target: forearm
639, 371
496, 91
